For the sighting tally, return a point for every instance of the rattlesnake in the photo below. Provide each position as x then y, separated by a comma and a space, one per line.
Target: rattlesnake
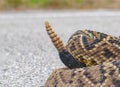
92, 60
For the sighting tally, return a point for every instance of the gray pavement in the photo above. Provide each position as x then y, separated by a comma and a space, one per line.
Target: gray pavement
27, 56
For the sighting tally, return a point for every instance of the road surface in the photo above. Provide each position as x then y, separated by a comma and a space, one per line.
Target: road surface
27, 56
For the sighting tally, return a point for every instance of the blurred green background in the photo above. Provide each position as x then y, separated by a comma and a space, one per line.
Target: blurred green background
58, 4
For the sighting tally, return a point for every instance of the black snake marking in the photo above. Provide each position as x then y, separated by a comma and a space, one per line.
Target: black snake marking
92, 59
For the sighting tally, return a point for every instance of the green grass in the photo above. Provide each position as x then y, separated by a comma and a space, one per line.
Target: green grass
26, 3
42, 3
59, 4
80, 1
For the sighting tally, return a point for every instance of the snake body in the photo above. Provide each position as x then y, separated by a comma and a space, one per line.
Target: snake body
92, 60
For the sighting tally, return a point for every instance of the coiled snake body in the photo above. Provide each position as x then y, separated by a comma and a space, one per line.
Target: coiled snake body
92, 59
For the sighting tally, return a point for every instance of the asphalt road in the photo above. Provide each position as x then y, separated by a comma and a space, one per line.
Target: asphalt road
27, 56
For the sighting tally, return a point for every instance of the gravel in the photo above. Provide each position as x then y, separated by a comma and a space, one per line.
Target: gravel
27, 56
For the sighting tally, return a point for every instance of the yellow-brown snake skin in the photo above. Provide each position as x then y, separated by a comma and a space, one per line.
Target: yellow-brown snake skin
92, 60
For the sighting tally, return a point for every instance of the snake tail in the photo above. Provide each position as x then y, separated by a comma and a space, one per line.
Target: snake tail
54, 37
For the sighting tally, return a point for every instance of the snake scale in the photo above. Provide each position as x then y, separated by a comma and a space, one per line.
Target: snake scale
92, 60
